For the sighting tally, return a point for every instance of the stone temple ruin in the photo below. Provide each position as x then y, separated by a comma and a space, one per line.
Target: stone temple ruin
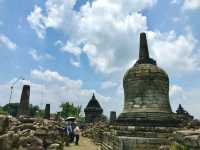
24, 101
47, 111
93, 110
147, 120
183, 115
146, 91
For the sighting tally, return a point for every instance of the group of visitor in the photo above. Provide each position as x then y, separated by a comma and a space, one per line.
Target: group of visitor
73, 131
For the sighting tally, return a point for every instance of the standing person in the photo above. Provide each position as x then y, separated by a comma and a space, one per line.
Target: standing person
73, 126
77, 133
70, 133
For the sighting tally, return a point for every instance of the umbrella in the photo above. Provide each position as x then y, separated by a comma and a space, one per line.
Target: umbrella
70, 119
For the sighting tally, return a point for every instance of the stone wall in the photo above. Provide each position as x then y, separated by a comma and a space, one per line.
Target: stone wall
32, 134
139, 138
187, 139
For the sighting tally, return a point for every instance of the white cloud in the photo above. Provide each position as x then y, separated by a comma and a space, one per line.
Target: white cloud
111, 32
175, 53
107, 31
71, 48
58, 43
188, 98
177, 92
191, 4
110, 39
38, 56
49, 86
4, 40
57, 10
75, 63
176, 1
36, 21
59, 88
108, 84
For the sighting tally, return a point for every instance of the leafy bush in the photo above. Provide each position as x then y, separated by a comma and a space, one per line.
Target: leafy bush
70, 110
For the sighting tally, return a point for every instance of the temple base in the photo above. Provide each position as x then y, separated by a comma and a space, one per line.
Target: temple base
135, 137
149, 119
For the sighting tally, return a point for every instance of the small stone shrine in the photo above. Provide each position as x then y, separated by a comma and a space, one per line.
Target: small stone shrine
47, 111
113, 116
24, 101
183, 114
147, 121
93, 111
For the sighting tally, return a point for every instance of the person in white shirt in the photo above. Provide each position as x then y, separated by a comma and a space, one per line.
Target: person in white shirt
77, 133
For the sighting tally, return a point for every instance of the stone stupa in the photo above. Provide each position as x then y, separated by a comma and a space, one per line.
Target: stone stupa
147, 121
146, 92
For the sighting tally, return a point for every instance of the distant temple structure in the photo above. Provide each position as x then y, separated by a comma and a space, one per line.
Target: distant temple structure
47, 111
183, 114
93, 110
24, 101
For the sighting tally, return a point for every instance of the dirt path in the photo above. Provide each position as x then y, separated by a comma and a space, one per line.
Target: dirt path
84, 144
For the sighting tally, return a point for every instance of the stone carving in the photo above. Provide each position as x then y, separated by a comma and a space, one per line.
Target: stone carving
93, 111
24, 101
47, 111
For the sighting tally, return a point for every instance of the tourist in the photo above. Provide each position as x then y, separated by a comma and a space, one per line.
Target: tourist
73, 126
77, 133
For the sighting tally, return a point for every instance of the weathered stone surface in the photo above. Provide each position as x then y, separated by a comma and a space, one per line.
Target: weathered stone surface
146, 91
189, 139
95, 131
24, 101
38, 135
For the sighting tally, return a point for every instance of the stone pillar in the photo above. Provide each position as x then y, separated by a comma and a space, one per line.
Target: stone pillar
24, 101
112, 116
47, 111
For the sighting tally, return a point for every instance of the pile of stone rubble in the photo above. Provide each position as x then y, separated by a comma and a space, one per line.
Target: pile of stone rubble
31, 134
95, 131
187, 139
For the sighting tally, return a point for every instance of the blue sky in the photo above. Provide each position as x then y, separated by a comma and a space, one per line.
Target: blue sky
68, 49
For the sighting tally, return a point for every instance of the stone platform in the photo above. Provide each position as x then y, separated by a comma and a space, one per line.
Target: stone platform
148, 119
136, 138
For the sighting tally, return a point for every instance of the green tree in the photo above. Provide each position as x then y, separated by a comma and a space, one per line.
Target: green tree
40, 113
11, 108
33, 110
2, 112
70, 110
